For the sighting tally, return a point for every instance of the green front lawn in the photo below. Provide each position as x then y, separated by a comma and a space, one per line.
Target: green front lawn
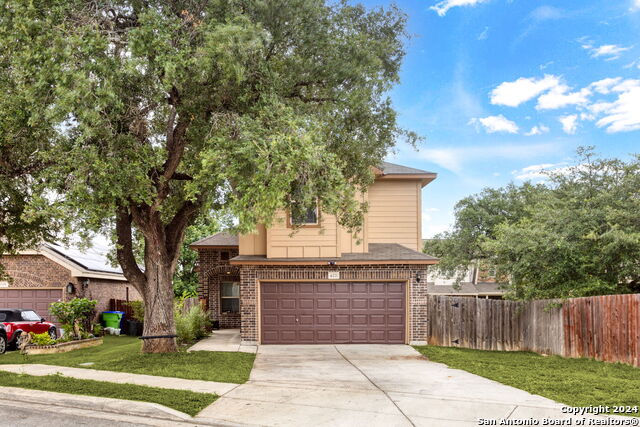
122, 354
188, 402
575, 382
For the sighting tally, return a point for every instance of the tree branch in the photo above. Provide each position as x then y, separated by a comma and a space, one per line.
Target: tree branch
124, 250
174, 230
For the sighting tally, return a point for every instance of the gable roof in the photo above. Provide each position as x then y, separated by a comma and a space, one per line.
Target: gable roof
394, 169
89, 263
221, 239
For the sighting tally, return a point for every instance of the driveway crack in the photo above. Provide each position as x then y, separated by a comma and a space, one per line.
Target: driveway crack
375, 385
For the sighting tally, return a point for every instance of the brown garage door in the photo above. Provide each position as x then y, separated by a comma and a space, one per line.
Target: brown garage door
332, 312
34, 299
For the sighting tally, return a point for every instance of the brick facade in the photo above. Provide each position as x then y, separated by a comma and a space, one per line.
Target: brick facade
212, 271
35, 271
38, 271
250, 276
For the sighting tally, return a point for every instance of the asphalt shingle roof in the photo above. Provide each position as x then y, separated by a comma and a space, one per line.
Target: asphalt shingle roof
219, 239
393, 169
377, 252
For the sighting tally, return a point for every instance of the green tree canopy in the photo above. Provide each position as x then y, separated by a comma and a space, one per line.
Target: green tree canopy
578, 235
156, 111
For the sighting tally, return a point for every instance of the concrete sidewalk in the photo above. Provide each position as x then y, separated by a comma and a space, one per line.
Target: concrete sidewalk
123, 378
223, 340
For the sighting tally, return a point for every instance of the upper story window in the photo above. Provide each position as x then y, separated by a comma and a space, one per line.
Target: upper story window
224, 256
309, 217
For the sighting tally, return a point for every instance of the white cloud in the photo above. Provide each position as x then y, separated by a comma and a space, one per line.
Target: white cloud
485, 33
635, 5
515, 93
606, 51
537, 130
493, 124
534, 172
542, 171
558, 97
604, 86
455, 159
442, 7
546, 13
623, 114
569, 123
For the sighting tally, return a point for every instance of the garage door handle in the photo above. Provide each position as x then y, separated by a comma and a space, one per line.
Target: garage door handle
296, 319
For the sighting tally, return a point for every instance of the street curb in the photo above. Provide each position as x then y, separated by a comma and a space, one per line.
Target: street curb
103, 404
125, 407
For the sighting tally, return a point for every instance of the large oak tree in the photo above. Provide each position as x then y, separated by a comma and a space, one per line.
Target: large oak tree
157, 111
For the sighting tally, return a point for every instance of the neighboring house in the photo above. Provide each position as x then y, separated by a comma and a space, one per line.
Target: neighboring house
53, 273
319, 285
479, 281
476, 283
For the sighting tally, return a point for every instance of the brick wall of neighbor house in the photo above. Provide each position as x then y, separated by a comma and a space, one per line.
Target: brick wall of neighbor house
212, 270
103, 290
35, 271
38, 271
250, 276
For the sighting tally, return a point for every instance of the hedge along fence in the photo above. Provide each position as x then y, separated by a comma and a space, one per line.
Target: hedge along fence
603, 327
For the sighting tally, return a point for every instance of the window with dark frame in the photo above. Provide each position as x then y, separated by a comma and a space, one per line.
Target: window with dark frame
308, 217
230, 297
224, 256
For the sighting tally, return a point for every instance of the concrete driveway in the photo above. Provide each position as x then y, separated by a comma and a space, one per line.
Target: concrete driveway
367, 385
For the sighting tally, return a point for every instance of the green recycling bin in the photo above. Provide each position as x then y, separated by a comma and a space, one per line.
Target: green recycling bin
112, 319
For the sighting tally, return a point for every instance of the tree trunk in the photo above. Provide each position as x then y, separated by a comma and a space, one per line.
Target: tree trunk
158, 314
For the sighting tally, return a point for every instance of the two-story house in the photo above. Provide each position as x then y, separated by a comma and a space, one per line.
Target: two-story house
321, 285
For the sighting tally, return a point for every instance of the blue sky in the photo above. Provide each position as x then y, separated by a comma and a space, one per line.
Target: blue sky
502, 88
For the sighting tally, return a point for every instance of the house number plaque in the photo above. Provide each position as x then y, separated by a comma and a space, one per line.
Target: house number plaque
334, 275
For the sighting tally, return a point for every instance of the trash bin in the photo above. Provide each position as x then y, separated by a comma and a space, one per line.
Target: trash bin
112, 319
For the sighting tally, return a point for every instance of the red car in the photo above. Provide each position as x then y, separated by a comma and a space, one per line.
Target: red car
18, 321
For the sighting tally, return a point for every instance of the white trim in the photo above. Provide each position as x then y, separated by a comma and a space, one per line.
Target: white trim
75, 269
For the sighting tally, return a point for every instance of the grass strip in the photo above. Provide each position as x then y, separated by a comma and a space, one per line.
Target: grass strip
122, 354
185, 401
574, 382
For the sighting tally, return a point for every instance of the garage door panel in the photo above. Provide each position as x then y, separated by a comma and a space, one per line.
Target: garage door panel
323, 303
375, 303
360, 288
395, 288
359, 303
35, 299
305, 319
287, 303
306, 303
395, 303
394, 335
377, 319
341, 288
341, 303
395, 319
324, 288
335, 312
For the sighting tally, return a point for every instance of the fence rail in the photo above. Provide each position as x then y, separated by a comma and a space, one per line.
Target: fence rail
604, 327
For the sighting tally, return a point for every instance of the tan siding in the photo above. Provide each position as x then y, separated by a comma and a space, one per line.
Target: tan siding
394, 217
255, 243
394, 213
306, 242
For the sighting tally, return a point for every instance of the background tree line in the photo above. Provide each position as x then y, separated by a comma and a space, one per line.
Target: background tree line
575, 234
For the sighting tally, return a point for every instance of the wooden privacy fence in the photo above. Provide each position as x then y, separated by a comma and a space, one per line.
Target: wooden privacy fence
604, 327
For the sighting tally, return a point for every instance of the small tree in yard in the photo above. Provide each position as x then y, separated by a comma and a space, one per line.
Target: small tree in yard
75, 315
157, 111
